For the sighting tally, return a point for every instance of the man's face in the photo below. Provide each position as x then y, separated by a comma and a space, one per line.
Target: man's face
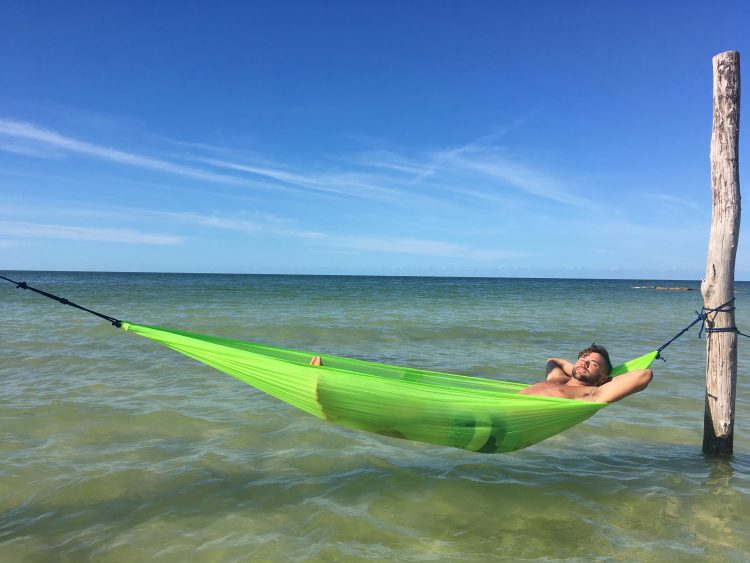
590, 369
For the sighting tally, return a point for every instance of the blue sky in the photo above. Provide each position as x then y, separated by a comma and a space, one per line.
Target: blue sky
544, 139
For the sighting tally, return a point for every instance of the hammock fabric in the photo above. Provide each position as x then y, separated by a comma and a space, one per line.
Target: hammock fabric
472, 413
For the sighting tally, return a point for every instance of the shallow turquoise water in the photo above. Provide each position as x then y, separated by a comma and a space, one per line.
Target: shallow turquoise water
116, 449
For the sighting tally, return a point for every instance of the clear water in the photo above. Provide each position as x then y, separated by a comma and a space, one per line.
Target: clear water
113, 448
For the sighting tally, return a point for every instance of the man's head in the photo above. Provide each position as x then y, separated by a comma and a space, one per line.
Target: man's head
593, 365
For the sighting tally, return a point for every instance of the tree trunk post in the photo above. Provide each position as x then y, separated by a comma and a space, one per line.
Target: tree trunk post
718, 285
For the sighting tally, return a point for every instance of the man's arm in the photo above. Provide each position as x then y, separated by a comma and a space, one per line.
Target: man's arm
623, 385
559, 370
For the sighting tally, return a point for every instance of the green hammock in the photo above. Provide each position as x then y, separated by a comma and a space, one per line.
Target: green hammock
476, 414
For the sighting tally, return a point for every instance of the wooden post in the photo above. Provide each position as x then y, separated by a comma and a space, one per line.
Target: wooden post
718, 285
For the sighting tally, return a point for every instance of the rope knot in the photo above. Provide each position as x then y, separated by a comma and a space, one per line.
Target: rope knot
723, 308
703, 318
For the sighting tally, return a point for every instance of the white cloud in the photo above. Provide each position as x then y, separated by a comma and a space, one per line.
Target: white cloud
262, 225
350, 184
50, 139
397, 245
479, 170
674, 201
429, 187
422, 247
25, 149
272, 225
36, 141
493, 165
41, 230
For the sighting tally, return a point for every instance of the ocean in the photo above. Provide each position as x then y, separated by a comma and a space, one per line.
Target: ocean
117, 449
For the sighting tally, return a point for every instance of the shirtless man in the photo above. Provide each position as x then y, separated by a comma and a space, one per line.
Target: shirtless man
588, 379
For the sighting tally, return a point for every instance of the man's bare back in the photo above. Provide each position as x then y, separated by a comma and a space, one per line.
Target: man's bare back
588, 379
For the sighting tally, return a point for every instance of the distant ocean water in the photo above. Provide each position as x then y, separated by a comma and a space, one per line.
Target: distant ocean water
116, 449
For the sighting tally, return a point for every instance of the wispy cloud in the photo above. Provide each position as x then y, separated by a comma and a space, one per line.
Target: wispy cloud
51, 139
41, 230
421, 247
235, 224
674, 201
489, 163
391, 245
27, 149
260, 226
34, 141
347, 184
480, 171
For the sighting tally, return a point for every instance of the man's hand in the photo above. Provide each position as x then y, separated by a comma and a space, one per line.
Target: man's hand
316, 361
559, 370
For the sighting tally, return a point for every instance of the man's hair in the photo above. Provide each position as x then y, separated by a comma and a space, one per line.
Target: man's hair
601, 350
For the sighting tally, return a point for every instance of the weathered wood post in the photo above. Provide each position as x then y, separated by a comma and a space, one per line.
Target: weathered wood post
718, 285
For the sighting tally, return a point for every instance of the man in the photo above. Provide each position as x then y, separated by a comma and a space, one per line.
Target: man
588, 379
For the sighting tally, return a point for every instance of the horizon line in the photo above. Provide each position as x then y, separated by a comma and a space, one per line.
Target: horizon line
527, 277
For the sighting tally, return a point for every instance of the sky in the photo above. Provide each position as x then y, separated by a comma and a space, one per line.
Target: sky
437, 138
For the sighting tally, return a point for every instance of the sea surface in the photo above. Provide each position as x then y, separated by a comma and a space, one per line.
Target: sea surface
113, 448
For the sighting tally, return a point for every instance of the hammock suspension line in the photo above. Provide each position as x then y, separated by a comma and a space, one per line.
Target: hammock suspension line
24, 285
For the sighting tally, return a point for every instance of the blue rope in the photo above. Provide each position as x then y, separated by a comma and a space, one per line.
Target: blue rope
702, 317
720, 309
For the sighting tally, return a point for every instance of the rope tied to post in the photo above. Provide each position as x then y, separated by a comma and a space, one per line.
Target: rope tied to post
724, 308
703, 316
